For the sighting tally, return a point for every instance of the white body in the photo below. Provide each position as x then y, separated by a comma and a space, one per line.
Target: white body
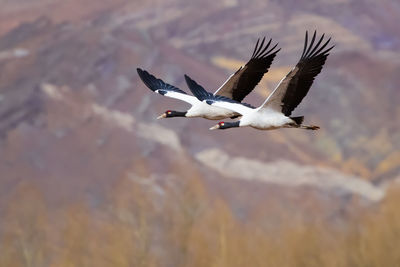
203, 110
265, 119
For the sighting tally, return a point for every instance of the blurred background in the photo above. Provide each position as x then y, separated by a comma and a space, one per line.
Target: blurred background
88, 177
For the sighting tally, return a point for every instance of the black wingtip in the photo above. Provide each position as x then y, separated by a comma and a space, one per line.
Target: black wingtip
261, 53
312, 50
148, 79
270, 51
263, 50
260, 48
141, 71
305, 44
197, 90
311, 44
189, 80
255, 48
142, 75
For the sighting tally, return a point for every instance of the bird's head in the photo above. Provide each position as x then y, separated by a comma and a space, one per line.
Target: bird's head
171, 113
225, 125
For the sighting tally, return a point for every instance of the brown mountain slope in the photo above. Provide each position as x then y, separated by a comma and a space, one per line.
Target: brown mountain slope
97, 117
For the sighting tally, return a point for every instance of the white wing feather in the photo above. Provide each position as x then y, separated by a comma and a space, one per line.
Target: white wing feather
184, 97
239, 108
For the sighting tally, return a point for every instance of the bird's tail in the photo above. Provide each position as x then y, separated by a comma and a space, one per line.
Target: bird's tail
299, 121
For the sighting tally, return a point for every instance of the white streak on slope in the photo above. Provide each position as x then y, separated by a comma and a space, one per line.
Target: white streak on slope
287, 174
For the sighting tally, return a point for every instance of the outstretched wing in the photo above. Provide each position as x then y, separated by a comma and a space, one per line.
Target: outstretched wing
165, 89
216, 100
244, 80
295, 86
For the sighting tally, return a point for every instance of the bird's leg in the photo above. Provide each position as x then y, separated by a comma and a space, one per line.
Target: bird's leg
310, 127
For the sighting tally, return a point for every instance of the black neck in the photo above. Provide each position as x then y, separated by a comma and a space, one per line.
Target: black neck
178, 114
230, 125
181, 113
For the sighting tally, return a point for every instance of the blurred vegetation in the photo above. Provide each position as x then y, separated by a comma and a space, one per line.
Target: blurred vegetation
182, 224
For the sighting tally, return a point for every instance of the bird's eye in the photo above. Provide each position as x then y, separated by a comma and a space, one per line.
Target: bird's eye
221, 123
168, 112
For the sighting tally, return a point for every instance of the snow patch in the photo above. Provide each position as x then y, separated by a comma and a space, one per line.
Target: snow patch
14, 53
120, 119
20, 52
160, 135
52, 91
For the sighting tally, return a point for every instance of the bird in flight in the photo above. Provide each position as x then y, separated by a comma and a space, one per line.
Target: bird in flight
236, 87
276, 110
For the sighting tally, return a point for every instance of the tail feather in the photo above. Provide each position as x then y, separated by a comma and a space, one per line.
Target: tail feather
298, 120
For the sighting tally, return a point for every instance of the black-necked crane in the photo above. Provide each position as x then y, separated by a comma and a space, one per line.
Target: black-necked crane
236, 87
276, 110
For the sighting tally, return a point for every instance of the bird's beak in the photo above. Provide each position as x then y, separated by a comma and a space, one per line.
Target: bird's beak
215, 127
162, 116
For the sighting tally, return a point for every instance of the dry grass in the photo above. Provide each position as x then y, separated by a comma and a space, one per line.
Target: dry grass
186, 226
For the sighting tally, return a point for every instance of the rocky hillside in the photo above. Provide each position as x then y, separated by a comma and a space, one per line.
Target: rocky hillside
74, 115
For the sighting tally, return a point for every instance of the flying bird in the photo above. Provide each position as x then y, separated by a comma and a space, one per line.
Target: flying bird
276, 110
236, 87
